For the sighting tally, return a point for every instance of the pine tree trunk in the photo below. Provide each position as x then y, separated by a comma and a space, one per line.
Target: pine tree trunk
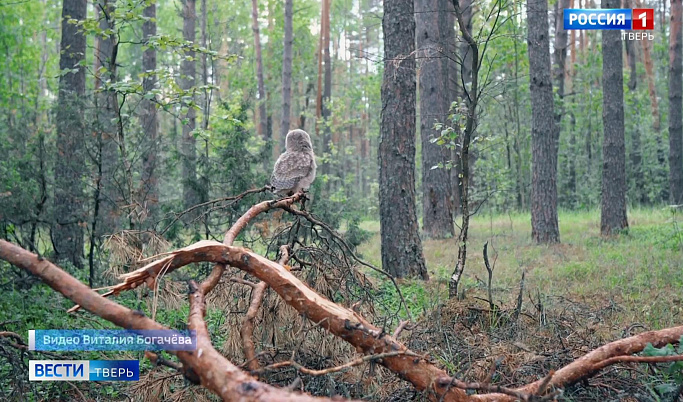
437, 207
654, 104
69, 211
401, 245
148, 118
287, 70
650, 73
327, 86
188, 142
560, 53
263, 115
106, 107
629, 45
613, 214
635, 156
544, 130
675, 105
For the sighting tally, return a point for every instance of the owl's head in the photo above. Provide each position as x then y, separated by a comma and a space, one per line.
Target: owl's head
298, 140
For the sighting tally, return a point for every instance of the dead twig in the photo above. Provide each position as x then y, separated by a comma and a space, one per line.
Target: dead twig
235, 199
336, 369
353, 255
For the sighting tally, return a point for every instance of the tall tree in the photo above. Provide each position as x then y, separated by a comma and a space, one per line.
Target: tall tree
319, 91
650, 74
635, 156
263, 116
188, 142
470, 96
400, 238
287, 70
148, 115
560, 53
324, 101
675, 105
108, 193
613, 214
465, 80
544, 128
69, 211
451, 67
629, 46
437, 206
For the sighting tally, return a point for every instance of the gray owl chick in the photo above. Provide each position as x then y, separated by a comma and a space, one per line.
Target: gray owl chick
295, 168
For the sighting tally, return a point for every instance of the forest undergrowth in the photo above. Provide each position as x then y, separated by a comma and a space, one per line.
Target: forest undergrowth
575, 296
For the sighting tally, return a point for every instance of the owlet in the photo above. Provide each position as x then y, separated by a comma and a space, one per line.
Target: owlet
295, 168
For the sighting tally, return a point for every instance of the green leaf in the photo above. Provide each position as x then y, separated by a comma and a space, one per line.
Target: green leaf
667, 350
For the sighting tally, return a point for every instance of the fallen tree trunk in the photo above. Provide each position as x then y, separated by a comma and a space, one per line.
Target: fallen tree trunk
590, 363
215, 372
340, 321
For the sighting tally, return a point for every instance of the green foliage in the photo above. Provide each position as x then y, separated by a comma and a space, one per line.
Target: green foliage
673, 374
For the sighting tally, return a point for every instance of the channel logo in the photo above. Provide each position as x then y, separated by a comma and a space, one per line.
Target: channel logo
606, 19
84, 370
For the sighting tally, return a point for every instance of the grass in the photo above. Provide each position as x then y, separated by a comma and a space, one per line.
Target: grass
640, 272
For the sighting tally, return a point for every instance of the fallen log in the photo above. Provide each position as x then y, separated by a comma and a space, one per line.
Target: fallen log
214, 371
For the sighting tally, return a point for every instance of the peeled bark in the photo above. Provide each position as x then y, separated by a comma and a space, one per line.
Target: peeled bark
544, 128
69, 210
401, 245
613, 213
675, 105
437, 206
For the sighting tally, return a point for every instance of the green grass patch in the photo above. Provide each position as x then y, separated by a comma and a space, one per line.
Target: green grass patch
641, 270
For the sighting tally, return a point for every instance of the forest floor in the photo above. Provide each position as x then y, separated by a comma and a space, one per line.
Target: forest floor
577, 295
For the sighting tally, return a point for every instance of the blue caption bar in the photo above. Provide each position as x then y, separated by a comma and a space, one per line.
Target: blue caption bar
84, 370
577, 18
62, 340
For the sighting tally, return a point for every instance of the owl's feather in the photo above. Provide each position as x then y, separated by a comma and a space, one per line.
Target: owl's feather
290, 169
